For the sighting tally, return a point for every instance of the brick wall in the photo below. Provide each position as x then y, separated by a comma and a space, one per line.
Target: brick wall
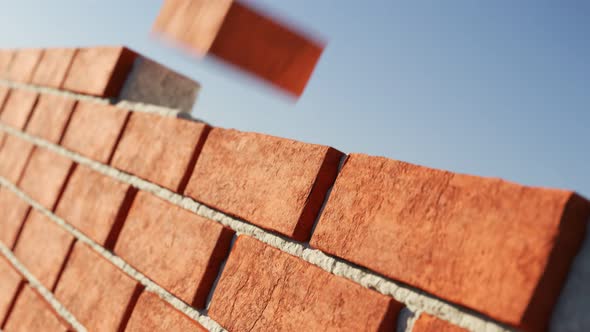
119, 213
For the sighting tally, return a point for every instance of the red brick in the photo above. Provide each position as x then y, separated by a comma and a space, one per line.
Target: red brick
275, 183
96, 292
95, 204
53, 67
94, 130
449, 234
265, 289
427, 323
45, 176
10, 283
4, 90
175, 248
153, 314
13, 212
43, 247
152, 143
5, 60
32, 313
14, 156
100, 71
50, 117
242, 37
18, 108
23, 64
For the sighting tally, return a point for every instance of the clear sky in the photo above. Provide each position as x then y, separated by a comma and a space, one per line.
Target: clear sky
495, 88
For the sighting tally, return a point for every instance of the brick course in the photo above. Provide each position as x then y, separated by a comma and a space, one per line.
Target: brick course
18, 108
10, 284
53, 67
13, 212
14, 155
23, 64
32, 313
50, 117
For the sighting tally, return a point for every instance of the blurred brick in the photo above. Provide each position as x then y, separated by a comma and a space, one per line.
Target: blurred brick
99, 71
18, 108
32, 313
13, 211
427, 323
177, 249
43, 247
275, 183
153, 314
14, 156
45, 175
10, 283
95, 204
23, 64
94, 130
264, 289
4, 91
53, 67
6, 57
96, 292
152, 143
50, 117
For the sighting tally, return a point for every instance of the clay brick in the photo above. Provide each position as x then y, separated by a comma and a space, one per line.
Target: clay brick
94, 130
5, 60
241, 36
23, 64
449, 234
14, 156
264, 289
4, 91
95, 204
275, 183
100, 71
427, 323
43, 247
50, 117
10, 284
160, 149
18, 108
45, 176
53, 67
13, 212
32, 313
96, 292
153, 314
175, 248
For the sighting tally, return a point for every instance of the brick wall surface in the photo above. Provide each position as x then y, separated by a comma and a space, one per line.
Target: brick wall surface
117, 216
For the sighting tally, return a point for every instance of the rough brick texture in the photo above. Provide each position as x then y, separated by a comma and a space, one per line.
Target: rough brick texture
45, 176
94, 130
264, 289
97, 293
95, 204
10, 283
275, 183
99, 71
153, 314
50, 117
32, 313
14, 156
18, 108
427, 323
43, 247
5, 60
152, 143
23, 65
13, 212
497, 247
175, 248
53, 67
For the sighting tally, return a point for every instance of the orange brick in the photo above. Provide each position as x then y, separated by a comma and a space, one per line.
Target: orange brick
177, 249
14, 156
4, 91
45, 175
449, 234
10, 283
32, 313
95, 204
94, 130
153, 314
243, 37
100, 71
23, 64
152, 143
13, 212
50, 117
275, 183
265, 289
18, 108
53, 67
427, 323
96, 292
5, 60
43, 247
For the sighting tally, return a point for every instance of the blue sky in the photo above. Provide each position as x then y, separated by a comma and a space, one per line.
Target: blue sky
494, 88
